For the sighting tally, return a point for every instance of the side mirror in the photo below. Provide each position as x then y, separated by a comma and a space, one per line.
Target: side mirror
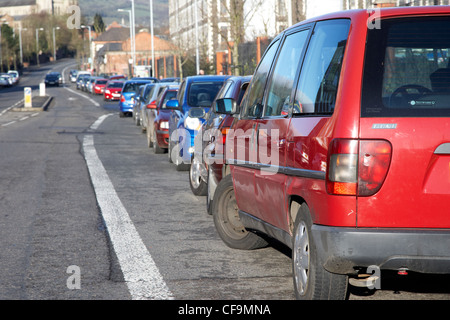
172, 104
196, 113
226, 106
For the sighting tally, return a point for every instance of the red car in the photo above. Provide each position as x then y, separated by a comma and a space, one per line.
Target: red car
98, 86
341, 149
112, 90
158, 121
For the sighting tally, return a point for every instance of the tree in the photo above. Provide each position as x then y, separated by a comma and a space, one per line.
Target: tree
9, 47
99, 25
239, 12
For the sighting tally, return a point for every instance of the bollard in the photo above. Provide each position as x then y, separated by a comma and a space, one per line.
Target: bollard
42, 89
27, 97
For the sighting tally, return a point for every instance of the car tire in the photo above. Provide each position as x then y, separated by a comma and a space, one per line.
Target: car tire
209, 195
136, 119
198, 186
169, 152
156, 148
227, 222
311, 280
149, 139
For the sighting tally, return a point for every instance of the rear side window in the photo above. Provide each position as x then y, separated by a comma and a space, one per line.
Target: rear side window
318, 85
407, 69
202, 94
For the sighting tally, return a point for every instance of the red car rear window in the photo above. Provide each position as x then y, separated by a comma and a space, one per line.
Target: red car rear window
407, 68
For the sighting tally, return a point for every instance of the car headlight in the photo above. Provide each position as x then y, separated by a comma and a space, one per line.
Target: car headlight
164, 125
192, 123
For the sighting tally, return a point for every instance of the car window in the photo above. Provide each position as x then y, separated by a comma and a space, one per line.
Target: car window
168, 96
253, 101
284, 73
318, 84
202, 94
408, 75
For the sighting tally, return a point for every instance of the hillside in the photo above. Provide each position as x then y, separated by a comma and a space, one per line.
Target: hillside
108, 10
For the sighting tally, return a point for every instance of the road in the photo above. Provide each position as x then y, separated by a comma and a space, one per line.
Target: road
89, 212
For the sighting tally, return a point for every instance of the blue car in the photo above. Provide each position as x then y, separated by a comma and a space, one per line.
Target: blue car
195, 92
129, 90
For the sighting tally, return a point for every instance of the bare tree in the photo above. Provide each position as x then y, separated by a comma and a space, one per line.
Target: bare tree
239, 13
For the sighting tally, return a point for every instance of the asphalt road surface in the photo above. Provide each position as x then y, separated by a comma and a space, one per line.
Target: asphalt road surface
88, 211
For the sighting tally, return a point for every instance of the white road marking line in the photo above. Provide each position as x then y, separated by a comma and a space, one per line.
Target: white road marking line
93, 101
8, 124
140, 272
24, 118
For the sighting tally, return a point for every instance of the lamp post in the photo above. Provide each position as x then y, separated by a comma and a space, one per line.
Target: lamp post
131, 30
151, 33
134, 37
197, 58
20, 44
90, 44
54, 43
37, 45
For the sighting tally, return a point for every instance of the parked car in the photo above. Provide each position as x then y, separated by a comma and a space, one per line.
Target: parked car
112, 90
129, 89
154, 80
233, 88
52, 79
140, 98
81, 75
118, 77
14, 75
5, 80
148, 106
90, 84
99, 85
194, 92
356, 178
171, 79
73, 75
158, 121
85, 83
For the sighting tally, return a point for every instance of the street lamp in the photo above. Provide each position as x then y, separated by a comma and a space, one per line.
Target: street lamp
131, 31
20, 44
54, 43
151, 33
37, 45
134, 37
90, 44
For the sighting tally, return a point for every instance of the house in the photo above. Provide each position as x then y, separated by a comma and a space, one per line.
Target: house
114, 53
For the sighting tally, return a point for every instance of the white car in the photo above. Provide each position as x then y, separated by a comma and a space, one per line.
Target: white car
5, 80
14, 75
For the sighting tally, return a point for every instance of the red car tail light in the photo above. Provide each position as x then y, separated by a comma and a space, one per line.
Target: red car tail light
152, 105
342, 175
122, 98
357, 167
374, 162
